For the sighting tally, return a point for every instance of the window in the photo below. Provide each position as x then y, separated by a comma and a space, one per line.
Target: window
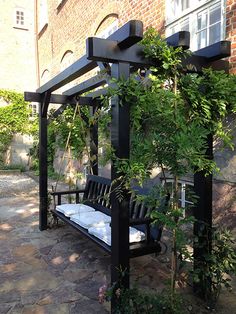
66, 60
109, 30
19, 19
208, 26
203, 19
185, 190
45, 77
33, 110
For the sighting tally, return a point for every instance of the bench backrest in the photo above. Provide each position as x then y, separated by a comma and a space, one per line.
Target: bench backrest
97, 195
97, 192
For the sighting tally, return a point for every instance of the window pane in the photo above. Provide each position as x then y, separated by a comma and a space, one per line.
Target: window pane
202, 20
215, 15
188, 192
180, 187
184, 4
19, 17
202, 39
185, 25
214, 33
172, 30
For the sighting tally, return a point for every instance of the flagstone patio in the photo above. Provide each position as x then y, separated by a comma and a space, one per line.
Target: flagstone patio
58, 270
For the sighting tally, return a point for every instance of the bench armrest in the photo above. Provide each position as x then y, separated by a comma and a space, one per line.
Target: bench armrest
67, 192
60, 193
140, 221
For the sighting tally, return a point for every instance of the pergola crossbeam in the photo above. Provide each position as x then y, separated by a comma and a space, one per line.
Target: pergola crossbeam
97, 93
77, 69
108, 51
54, 98
217, 51
83, 101
87, 85
180, 39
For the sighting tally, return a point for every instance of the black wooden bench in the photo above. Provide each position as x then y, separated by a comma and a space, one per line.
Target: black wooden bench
96, 194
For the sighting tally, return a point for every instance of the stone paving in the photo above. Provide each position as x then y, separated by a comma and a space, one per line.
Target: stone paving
57, 271
54, 271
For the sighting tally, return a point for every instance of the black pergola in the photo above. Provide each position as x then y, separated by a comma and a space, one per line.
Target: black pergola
125, 55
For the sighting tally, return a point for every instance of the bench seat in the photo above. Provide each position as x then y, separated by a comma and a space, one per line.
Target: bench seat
95, 200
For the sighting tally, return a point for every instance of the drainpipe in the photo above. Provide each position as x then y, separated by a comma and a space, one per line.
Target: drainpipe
36, 41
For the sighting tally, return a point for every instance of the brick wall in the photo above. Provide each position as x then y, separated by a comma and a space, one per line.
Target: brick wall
17, 47
73, 21
231, 31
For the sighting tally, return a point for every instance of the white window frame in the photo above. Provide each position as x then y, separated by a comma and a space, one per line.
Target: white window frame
191, 13
34, 110
23, 13
183, 184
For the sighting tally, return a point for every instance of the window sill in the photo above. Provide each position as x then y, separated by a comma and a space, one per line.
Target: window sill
23, 28
60, 5
42, 30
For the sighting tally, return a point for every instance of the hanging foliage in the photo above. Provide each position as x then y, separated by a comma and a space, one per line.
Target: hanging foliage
14, 118
172, 115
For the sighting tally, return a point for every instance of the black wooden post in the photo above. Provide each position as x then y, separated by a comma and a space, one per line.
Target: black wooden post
203, 214
120, 215
43, 168
93, 158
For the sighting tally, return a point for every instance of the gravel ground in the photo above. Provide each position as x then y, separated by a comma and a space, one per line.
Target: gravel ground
15, 184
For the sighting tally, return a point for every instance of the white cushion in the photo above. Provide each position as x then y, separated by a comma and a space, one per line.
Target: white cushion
104, 234
91, 219
72, 209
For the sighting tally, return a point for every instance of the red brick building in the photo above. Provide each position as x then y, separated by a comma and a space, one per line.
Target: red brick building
64, 25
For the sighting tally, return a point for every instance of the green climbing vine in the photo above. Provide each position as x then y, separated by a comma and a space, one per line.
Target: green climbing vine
59, 129
14, 118
172, 115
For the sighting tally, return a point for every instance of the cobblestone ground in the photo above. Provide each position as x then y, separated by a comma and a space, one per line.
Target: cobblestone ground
58, 271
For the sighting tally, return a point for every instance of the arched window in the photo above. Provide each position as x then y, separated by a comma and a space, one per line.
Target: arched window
66, 60
45, 77
107, 26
